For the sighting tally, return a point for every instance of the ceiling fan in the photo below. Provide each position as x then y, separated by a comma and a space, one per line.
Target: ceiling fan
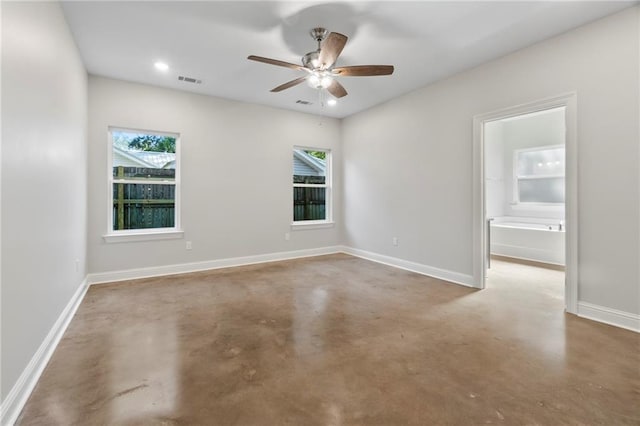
319, 65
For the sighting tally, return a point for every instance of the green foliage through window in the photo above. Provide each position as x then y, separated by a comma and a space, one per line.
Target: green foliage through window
318, 154
153, 143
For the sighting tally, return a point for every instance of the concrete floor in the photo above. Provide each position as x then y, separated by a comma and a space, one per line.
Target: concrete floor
337, 340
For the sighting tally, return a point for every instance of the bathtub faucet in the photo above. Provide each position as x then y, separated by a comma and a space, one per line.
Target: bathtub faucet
560, 225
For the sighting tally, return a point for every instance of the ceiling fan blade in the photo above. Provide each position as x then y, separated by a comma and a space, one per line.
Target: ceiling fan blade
364, 70
289, 84
331, 48
275, 62
337, 89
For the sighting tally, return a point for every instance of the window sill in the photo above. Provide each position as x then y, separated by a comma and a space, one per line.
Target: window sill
537, 206
311, 224
128, 236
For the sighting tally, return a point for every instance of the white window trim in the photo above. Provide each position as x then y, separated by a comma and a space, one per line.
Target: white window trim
516, 203
311, 224
130, 236
147, 234
328, 221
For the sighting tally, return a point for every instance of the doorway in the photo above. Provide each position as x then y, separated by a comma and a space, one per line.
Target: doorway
525, 179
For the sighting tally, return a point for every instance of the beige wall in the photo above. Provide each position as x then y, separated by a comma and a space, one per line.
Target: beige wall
408, 162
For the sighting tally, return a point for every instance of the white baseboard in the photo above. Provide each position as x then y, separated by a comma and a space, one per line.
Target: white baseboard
609, 316
156, 271
132, 274
17, 397
443, 274
529, 253
14, 402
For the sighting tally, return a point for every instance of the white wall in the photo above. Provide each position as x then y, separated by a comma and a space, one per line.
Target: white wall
407, 167
44, 169
494, 169
530, 131
502, 139
236, 171
408, 162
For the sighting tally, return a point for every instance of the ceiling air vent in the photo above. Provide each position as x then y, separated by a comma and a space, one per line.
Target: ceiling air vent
189, 79
300, 101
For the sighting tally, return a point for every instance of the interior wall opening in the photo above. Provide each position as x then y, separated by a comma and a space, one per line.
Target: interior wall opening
525, 187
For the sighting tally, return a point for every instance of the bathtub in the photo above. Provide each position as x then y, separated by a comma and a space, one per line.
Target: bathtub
540, 240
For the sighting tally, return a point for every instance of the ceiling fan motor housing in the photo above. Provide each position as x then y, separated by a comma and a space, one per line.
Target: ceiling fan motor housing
318, 33
311, 60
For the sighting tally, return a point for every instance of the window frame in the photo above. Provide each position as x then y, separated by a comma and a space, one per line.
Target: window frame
517, 178
328, 185
142, 234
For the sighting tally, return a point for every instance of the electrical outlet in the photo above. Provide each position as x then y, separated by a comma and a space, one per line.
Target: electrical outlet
287, 236
394, 241
189, 246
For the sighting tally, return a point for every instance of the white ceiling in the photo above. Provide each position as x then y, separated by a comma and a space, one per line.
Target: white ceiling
425, 41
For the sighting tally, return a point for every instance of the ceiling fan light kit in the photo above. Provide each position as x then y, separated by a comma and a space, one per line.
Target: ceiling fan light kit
320, 79
319, 65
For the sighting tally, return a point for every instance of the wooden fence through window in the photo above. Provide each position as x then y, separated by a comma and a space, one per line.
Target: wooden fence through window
143, 205
309, 203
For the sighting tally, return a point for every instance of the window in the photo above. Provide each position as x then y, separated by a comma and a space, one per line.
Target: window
143, 181
311, 185
539, 175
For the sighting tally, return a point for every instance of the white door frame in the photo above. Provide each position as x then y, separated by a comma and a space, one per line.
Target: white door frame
568, 101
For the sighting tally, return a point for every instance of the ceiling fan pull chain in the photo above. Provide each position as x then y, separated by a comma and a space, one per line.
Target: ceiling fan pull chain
321, 98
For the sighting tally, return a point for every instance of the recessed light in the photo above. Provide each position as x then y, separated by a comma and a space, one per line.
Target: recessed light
161, 66
332, 102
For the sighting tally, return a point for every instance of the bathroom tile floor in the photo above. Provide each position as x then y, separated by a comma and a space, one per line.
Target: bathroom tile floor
337, 340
